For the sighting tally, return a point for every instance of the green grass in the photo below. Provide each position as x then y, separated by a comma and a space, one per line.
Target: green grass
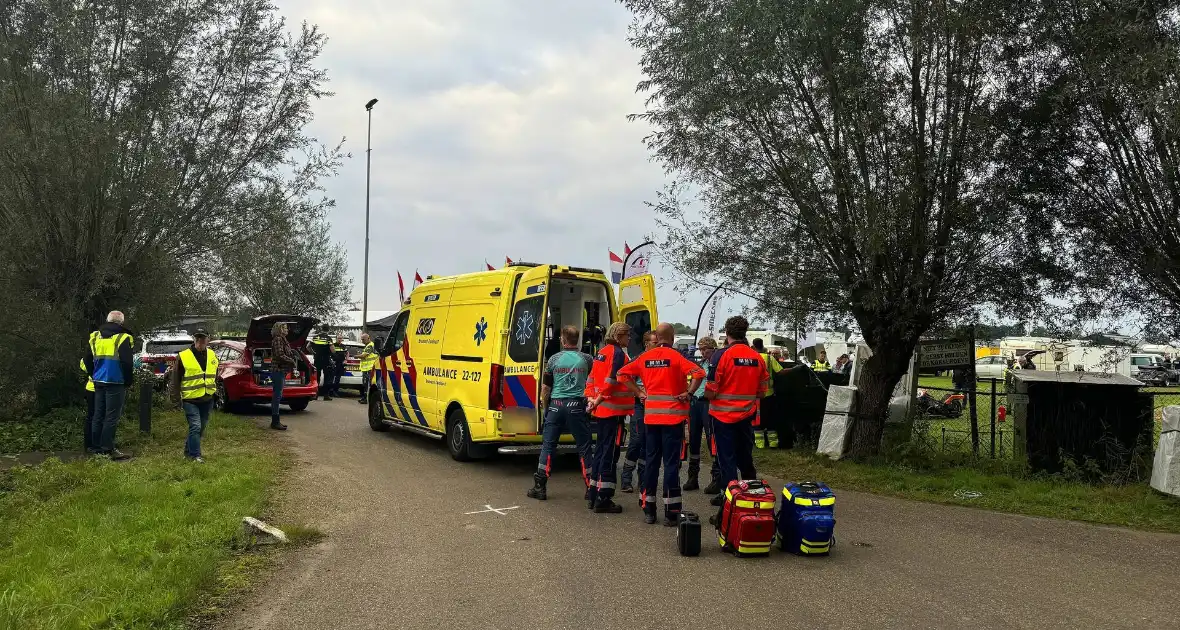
1134, 506
137, 544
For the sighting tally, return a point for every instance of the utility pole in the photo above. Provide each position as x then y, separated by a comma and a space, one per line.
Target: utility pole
368, 171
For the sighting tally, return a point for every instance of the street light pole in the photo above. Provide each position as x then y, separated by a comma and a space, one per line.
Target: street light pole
368, 171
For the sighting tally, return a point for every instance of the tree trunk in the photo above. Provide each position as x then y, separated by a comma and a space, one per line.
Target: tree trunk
882, 371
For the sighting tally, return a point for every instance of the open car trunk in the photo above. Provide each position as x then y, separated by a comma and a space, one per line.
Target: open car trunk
298, 327
260, 367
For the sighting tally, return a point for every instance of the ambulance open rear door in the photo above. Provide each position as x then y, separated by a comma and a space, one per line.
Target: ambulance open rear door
523, 357
637, 308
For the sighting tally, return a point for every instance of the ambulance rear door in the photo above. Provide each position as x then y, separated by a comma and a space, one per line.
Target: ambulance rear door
525, 336
637, 308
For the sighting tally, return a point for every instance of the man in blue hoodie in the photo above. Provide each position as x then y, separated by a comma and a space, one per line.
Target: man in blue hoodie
108, 359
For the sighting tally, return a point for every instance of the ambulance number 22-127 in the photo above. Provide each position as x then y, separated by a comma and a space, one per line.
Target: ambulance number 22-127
472, 376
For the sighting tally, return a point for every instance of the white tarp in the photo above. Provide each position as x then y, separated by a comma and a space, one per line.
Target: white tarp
899, 402
1165, 473
834, 434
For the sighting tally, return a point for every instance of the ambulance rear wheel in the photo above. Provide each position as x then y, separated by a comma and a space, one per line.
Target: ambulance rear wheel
376, 415
458, 437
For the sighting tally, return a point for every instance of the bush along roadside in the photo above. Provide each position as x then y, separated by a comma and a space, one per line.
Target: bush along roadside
137, 544
998, 486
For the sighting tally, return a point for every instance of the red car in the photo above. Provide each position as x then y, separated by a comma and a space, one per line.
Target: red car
243, 370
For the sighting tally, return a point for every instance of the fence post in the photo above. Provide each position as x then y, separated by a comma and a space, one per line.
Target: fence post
942, 447
993, 422
145, 405
974, 417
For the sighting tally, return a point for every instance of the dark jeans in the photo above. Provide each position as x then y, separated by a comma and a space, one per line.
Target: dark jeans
566, 414
88, 442
606, 457
336, 374
108, 408
366, 379
735, 450
197, 414
277, 379
663, 444
324, 375
635, 450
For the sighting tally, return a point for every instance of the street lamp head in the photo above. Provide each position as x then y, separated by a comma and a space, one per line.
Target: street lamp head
370, 104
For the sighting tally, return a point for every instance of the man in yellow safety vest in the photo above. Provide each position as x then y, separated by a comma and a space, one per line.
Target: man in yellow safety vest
108, 361
368, 360
87, 440
194, 382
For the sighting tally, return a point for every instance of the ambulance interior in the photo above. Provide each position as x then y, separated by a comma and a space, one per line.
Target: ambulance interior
585, 305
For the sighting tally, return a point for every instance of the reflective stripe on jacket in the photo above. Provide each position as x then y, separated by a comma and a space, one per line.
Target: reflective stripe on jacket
739, 378
617, 400
368, 358
195, 382
665, 373
107, 368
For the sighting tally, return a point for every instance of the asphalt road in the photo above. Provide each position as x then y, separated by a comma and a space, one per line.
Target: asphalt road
403, 551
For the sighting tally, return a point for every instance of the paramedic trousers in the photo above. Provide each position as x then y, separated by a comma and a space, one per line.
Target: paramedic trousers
606, 457
636, 454
561, 416
735, 450
663, 443
699, 423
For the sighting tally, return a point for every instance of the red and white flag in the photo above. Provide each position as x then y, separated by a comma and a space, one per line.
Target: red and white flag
401, 289
508, 261
490, 267
417, 278
626, 249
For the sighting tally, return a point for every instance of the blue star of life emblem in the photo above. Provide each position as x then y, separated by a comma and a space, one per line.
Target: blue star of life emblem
524, 327
481, 331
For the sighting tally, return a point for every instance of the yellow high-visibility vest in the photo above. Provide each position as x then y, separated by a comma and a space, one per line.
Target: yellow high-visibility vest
772, 367
197, 383
368, 357
105, 350
818, 366
89, 381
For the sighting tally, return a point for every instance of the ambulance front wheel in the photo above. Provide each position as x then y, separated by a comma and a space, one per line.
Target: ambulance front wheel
376, 415
458, 436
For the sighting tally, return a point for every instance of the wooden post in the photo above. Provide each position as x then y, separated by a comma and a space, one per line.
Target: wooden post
145, 405
971, 393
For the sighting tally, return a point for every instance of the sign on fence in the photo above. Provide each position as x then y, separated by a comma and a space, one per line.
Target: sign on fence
946, 353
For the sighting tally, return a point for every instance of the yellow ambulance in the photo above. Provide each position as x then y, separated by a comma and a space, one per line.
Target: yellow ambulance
464, 358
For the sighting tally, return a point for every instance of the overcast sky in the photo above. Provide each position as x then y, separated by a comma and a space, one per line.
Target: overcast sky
501, 131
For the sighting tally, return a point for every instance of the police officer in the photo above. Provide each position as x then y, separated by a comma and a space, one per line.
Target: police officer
635, 448
321, 350
698, 423
737, 380
821, 362
665, 373
609, 403
368, 360
339, 356
563, 392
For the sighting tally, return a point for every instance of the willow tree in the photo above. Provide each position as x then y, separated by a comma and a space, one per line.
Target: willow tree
840, 149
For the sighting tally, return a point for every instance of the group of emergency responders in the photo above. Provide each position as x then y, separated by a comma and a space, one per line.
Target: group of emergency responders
663, 394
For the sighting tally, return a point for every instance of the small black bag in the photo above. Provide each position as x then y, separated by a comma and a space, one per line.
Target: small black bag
688, 534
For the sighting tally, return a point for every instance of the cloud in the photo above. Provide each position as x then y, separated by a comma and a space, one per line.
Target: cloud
500, 130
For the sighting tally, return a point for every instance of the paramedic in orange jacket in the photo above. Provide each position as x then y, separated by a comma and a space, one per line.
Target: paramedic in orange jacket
665, 395
737, 380
609, 403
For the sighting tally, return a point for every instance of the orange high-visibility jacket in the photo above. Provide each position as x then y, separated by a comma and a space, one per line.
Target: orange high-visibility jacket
665, 374
617, 400
739, 378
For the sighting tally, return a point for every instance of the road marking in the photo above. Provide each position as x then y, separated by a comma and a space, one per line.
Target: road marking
500, 511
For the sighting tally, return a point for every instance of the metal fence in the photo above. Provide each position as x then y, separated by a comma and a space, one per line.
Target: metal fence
942, 419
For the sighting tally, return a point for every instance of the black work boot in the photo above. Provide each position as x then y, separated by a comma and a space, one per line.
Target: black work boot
606, 506
538, 490
591, 497
717, 501
649, 513
694, 470
714, 486
276, 425
671, 519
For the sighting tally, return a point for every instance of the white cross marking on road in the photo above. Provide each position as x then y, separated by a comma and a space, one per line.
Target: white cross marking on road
500, 511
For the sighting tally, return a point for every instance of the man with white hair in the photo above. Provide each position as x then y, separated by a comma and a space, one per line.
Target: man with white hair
108, 360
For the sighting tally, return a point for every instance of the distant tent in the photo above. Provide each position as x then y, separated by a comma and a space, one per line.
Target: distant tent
382, 325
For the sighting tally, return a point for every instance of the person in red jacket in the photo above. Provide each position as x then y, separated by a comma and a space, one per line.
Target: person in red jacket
609, 404
737, 380
665, 395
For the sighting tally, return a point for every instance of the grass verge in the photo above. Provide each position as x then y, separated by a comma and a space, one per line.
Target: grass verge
1135, 506
134, 544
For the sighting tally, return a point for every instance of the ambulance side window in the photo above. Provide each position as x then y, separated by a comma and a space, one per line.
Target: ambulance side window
640, 322
397, 335
524, 335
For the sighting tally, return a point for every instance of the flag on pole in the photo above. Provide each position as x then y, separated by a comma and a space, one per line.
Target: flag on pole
417, 278
639, 261
401, 289
490, 267
616, 267
507, 261
626, 249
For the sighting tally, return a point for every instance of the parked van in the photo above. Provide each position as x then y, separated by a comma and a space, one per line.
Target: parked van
464, 358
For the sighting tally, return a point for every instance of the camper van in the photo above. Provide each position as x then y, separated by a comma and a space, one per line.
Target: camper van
464, 359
